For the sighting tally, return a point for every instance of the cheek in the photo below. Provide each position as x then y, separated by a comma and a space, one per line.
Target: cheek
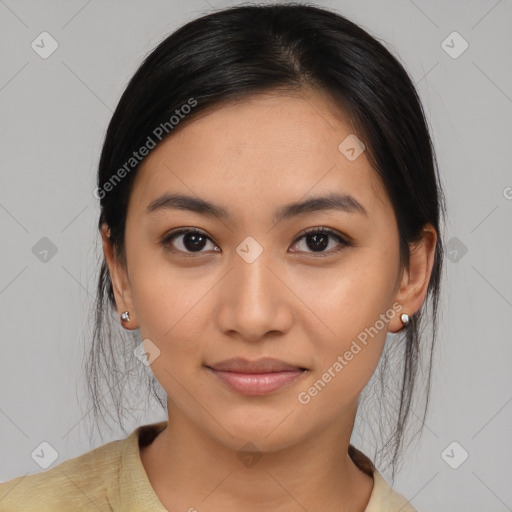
346, 300
172, 316
160, 292
173, 308
168, 315
348, 352
353, 304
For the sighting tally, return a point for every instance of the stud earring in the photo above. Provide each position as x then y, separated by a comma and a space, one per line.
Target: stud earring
404, 317
125, 316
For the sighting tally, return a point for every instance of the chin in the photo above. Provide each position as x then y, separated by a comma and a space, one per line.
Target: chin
268, 432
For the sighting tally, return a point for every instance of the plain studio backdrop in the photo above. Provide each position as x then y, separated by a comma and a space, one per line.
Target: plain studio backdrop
56, 101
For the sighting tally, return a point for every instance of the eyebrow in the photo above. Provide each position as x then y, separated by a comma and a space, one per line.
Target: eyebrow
333, 201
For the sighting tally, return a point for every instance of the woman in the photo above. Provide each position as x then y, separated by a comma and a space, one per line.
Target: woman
270, 211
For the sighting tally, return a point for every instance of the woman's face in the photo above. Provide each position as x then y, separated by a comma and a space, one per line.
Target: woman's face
252, 285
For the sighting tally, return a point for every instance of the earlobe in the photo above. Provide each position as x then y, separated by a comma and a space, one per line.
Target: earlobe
414, 284
120, 283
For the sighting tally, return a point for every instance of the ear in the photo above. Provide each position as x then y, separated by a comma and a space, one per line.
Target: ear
120, 280
413, 287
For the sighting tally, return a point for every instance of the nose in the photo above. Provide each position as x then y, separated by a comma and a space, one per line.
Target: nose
254, 303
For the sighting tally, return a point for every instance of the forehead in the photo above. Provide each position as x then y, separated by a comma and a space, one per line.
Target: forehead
271, 148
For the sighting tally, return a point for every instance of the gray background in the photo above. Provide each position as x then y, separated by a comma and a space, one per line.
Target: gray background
54, 113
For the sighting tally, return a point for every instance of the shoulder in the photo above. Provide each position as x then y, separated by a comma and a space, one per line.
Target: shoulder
383, 497
80, 483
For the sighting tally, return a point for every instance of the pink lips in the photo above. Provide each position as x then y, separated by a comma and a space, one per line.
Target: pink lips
259, 377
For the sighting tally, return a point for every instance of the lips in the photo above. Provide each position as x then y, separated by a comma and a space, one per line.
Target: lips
264, 365
259, 377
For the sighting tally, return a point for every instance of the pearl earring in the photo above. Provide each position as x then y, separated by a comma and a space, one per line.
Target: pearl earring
404, 318
125, 316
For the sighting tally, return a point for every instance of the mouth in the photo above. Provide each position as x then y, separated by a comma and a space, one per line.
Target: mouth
260, 377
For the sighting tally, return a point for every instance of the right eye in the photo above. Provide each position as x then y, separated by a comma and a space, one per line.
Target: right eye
192, 241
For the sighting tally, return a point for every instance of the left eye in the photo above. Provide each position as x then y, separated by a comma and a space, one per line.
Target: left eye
318, 239
194, 240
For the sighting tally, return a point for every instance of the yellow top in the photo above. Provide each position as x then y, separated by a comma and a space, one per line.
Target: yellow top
112, 478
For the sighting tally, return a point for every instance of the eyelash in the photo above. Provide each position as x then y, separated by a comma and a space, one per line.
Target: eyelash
169, 237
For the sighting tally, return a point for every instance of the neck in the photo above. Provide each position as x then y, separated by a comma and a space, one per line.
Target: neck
190, 470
